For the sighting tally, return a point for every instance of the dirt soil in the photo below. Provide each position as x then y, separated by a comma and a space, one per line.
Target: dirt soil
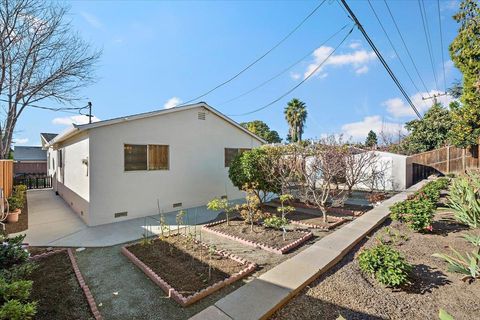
268, 236
346, 291
21, 224
185, 265
56, 290
313, 219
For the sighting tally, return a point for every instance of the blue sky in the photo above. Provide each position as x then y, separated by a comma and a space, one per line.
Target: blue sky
157, 54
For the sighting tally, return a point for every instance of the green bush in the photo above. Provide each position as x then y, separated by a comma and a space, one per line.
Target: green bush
15, 310
385, 264
14, 203
12, 252
431, 191
464, 199
16, 290
417, 213
275, 222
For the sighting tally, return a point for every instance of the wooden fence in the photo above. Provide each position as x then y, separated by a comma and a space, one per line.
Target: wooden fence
444, 160
6, 176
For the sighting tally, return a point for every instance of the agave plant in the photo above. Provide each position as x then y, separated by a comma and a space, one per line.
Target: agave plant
464, 199
469, 265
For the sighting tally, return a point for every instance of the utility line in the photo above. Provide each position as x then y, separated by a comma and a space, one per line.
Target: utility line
380, 57
284, 70
66, 110
300, 83
258, 59
441, 46
426, 31
406, 47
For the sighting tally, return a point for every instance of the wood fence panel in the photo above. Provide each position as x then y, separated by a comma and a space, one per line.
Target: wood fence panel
6, 178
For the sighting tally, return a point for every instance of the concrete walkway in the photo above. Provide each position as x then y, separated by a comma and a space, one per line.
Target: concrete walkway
259, 298
53, 223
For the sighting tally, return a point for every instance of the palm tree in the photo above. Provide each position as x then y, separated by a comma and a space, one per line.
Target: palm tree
296, 115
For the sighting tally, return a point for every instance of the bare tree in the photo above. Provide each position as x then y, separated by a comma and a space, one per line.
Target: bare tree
323, 163
359, 167
41, 59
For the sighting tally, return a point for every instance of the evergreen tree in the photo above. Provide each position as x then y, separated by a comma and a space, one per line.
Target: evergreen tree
262, 130
371, 140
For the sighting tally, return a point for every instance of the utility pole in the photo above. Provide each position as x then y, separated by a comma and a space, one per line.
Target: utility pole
434, 97
89, 105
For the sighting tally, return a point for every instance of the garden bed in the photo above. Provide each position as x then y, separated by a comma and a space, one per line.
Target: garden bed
315, 221
266, 238
21, 224
346, 291
58, 290
186, 269
347, 209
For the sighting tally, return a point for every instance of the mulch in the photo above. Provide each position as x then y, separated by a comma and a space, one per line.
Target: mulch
345, 290
267, 236
185, 265
22, 223
56, 290
312, 219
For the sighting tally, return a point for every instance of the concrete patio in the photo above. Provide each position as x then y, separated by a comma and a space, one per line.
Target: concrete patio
53, 223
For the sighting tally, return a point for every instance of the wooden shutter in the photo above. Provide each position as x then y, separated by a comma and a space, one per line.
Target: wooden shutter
158, 157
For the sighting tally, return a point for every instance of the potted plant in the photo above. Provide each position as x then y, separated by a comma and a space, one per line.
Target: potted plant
14, 208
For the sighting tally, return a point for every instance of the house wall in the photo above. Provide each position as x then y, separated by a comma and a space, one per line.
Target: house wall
196, 175
71, 179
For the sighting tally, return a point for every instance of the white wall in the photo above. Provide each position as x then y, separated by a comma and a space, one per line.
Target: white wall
196, 175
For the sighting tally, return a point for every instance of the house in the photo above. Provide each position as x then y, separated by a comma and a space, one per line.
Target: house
134, 166
29, 160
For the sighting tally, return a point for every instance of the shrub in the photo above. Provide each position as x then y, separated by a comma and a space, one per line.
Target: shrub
385, 264
464, 199
417, 213
12, 253
15, 310
275, 222
14, 203
16, 290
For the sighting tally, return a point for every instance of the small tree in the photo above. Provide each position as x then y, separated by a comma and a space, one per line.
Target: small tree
250, 210
221, 205
359, 167
371, 140
262, 130
284, 210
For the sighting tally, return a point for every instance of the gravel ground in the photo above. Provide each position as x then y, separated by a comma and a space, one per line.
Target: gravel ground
122, 291
345, 291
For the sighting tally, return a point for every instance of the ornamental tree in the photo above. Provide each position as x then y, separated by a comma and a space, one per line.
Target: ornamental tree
262, 130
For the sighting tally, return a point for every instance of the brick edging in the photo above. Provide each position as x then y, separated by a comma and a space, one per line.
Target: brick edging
84, 286
338, 210
188, 300
46, 254
316, 226
281, 250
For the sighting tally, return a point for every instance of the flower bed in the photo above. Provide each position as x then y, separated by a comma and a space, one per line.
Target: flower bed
266, 238
186, 269
347, 209
60, 289
315, 221
346, 290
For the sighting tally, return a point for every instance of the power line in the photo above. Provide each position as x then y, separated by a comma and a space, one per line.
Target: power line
405, 46
61, 109
258, 59
300, 83
392, 45
426, 31
283, 71
441, 46
380, 57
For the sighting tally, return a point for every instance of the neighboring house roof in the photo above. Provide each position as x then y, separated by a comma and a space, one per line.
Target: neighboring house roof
25, 153
48, 136
80, 128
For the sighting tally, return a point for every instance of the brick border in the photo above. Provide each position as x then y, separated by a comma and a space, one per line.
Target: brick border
319, 227
338, 210
176, 295
86, 290
281, 250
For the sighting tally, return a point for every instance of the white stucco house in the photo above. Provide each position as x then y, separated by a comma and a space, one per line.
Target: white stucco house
119, 169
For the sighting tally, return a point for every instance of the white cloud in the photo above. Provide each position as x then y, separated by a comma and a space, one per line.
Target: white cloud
295, 76
355, 44
399, 108
91, 19
362, 70
358, 59
359, 130
449, 5
68, 121
20, 140
172, 102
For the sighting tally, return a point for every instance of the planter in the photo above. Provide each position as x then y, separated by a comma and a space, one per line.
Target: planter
13, 216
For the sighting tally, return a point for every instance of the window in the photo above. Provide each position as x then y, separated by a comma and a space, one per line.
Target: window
231, 153
60, 158
146, 157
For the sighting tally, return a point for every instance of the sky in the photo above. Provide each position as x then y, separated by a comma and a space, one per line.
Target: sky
157, 54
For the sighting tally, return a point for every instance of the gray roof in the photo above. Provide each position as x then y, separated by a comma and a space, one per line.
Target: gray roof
48, 136
25, 153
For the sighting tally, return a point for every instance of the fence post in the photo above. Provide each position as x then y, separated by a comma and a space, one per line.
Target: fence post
448, 159
463, 159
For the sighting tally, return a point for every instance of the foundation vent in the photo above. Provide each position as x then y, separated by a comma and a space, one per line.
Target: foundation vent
120, 214
178, 204
202, 115
224, 197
